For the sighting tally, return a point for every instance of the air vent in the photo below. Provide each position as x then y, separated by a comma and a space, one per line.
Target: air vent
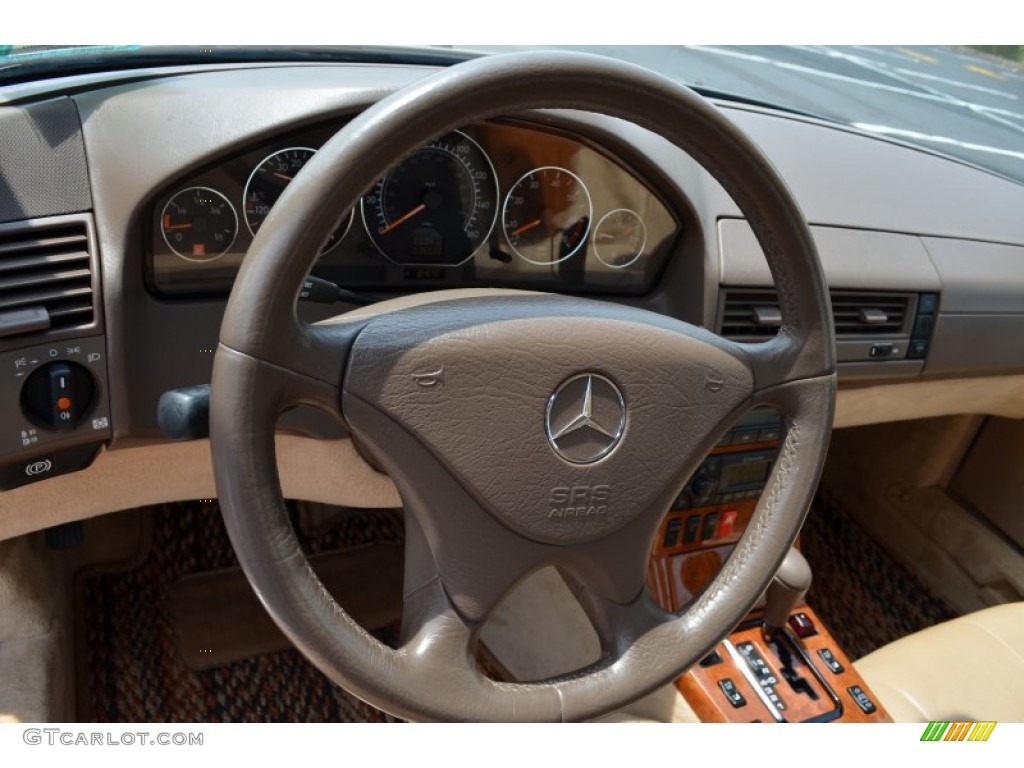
45, 279
754, 314
750, 314
859, 314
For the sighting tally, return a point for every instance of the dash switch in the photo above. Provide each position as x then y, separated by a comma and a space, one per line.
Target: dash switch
57, 395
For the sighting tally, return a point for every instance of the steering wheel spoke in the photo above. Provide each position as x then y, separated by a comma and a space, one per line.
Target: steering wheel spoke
619, 625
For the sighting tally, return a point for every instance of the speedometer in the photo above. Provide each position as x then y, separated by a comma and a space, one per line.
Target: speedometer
437, 207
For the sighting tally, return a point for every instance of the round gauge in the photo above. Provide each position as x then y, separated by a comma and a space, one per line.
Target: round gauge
199, 224
269, 179
619, 238
437, 207
547, 215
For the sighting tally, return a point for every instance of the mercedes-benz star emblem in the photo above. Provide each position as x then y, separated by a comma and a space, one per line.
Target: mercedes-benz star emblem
585, 419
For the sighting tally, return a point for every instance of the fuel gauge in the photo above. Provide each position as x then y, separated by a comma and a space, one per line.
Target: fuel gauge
199, 224
619, 238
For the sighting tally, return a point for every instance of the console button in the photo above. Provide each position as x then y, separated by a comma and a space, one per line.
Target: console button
926, 303
49, 465
690, 529
672, 532
923, 326
803, 626
882, 349
731, 693
866, 705
727, 524
831, 661
917, 349
711, 659
710, 526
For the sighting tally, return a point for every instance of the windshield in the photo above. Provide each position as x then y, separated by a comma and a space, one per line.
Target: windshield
967, 102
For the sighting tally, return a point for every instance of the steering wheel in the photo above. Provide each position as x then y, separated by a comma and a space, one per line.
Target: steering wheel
490, 409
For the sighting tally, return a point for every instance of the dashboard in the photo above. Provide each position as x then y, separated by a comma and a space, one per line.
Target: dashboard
130, 200
493, 204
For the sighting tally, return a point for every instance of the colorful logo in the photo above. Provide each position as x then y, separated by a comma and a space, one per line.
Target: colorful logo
947, 731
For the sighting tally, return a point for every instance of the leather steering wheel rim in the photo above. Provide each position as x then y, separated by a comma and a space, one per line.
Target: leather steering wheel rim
358, 366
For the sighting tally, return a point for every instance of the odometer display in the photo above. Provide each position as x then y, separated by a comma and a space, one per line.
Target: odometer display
437, 207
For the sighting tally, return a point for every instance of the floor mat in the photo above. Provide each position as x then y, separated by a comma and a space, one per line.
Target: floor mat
865, 597
131, 668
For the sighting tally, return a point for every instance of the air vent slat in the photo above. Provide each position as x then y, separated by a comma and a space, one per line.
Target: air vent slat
48, 268
27, 244
41, 298
42, 277
70, 310
854, 314
34, 262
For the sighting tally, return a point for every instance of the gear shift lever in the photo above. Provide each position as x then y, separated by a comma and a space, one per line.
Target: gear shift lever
788, 588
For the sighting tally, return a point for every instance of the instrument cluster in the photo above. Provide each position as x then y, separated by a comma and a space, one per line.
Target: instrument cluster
493, 204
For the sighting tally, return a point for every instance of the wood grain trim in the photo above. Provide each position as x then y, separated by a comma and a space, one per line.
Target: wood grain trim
700, 685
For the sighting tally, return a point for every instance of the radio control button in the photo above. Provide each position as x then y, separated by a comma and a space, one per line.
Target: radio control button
702, 488
710, 527
690, 529
672, 533
727, 524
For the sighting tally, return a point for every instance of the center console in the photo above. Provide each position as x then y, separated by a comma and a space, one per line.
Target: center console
781, 664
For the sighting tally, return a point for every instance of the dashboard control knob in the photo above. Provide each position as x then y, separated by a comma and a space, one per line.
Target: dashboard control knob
702, 487
57, 395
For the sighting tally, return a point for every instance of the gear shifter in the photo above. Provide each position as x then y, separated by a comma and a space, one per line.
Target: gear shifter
788, 588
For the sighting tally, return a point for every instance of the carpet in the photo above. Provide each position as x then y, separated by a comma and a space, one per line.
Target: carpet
865, 598
132, 669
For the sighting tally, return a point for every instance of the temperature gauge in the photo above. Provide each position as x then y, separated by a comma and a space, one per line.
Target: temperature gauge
199, 224
619, 238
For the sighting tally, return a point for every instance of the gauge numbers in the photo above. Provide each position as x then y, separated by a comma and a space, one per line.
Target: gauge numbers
199, 224
268, 181
546, 217
437, 207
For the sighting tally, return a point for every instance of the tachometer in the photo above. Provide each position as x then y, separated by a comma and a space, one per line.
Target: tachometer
269, 179
547, 215
437, 207
199, 224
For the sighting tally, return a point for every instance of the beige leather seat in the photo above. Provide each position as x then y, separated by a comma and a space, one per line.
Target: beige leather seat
971, 668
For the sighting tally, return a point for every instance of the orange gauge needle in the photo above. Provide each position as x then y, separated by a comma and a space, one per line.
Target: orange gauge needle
525, 228
623, 233
168, 225
402, 219
283, 176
